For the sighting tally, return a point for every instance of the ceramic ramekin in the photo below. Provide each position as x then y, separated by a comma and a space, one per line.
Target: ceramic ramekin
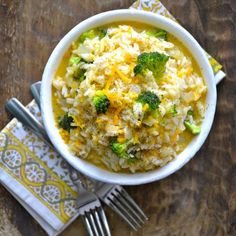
142, 17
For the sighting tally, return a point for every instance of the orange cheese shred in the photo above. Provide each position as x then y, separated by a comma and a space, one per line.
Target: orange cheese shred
116, 116
124, 78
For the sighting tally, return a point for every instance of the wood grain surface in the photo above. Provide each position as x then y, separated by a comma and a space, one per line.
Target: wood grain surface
200, 199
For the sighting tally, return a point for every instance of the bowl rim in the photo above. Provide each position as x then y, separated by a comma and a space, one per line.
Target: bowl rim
117, 16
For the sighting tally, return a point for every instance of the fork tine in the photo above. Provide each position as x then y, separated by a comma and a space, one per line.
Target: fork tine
93, 224
118, 211
124, 210
87, 224
98, 221
123, 200
132, 202
104, 220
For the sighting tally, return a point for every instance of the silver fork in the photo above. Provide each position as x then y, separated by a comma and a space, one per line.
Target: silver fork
88, 203
114, 196
120, 201
90, 208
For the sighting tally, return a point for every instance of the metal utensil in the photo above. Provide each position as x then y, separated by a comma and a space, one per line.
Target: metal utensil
88, 203
120, 201
90, 209
114, 196
35, 90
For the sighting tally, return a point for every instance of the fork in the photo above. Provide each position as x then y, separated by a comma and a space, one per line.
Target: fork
89, 208
120, 201
88, 204
114, 196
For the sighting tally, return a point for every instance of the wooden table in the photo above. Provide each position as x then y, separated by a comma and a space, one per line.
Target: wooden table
200, 199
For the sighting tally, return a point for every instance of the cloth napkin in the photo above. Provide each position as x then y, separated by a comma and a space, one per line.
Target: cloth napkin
36, 176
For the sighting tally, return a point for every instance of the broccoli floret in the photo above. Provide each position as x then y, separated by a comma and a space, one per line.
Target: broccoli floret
90, 34
190, 113
150, 98
102, 33
194, 129
74, 60
79, 75
158, 33
65, 122
121, 149
153, 61
101, 102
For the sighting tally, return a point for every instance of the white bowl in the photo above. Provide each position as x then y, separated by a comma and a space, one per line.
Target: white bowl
46, 95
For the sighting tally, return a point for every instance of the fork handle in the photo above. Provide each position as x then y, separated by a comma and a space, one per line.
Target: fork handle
76, 178
26, 118
35, 90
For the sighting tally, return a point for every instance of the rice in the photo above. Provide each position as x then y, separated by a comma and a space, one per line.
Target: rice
153, 137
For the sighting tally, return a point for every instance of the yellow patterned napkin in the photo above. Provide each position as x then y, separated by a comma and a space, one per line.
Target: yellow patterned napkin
36, 176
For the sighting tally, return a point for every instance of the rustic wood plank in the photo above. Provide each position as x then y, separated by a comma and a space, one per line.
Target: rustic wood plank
197, 200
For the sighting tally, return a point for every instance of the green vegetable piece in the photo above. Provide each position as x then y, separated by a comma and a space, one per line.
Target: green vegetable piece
132, 157
101, 103
190, 113
138, 69
158, 33
74, 60
173, 112
120, 149
65, 122
194, 129
153, 61
81, 78
102, 33
150, 98
90, 34
79, 75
